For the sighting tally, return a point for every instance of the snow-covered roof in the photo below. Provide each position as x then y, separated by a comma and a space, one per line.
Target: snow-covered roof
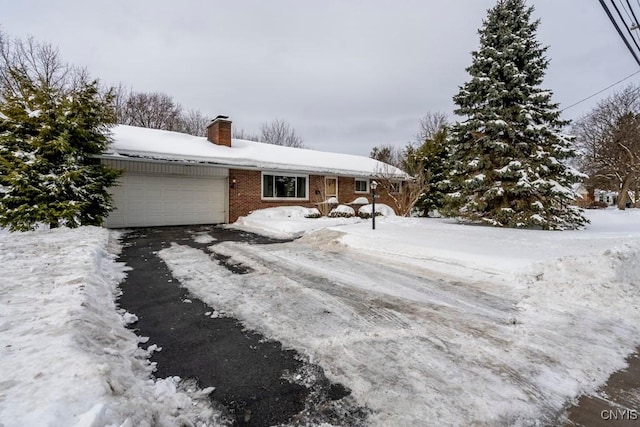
153, 144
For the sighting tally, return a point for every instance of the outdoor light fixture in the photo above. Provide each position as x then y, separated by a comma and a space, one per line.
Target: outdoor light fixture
374, 185
233, 183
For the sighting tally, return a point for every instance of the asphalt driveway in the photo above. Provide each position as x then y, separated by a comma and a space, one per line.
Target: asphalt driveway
254, 377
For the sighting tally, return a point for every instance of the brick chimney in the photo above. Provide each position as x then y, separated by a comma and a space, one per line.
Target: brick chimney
219, 131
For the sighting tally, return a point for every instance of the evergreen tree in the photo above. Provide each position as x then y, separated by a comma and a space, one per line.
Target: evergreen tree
509, 154
432, 157
49, 137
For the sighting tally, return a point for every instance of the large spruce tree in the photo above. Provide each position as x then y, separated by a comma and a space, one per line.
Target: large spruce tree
51, 129
509, 153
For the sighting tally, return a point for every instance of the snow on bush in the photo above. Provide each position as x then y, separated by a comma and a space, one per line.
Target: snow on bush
68, 358
381, 209
330, 201
360, 201
342, 211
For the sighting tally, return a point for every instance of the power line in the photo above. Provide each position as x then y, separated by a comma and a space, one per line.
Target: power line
629, 28
600, 91
617, 27
626, 26
634, 19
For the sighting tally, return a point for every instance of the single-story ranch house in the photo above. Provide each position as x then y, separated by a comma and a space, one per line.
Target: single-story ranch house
172, 178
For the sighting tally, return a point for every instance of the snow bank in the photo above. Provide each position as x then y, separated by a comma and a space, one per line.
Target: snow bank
67, 357
287, 222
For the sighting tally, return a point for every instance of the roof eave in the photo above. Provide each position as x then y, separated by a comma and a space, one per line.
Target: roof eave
244, 165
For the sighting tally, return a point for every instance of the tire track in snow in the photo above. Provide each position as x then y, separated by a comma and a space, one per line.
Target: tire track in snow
411, 348
342, 275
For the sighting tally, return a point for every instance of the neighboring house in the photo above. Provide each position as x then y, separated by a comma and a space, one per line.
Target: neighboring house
595, 197
178, 179
606, 196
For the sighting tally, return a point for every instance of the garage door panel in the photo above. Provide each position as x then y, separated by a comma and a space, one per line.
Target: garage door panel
155, 200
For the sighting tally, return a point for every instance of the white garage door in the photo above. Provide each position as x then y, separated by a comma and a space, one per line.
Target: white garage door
143, 200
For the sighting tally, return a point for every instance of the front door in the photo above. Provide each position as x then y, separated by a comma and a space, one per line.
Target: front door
331, 187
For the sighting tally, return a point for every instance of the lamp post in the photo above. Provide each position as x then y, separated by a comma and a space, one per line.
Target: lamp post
374, 185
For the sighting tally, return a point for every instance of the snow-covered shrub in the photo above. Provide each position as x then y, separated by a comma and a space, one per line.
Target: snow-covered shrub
331, 201
342, 211
381, 210
367, 215
360, 201
313, 215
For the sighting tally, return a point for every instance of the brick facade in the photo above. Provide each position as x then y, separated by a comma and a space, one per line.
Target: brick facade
245, 193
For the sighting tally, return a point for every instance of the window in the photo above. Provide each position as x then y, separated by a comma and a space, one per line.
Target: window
394, 187
284, 186
362, 185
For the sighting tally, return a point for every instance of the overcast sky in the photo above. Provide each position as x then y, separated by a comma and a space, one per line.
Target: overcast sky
348, 75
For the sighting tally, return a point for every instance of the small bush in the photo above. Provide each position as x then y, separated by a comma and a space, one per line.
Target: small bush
342, 211
313, 215
339, 214
366, 215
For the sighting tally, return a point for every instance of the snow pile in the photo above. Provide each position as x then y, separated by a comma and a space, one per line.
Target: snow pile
67, 357
381, 208
287, 222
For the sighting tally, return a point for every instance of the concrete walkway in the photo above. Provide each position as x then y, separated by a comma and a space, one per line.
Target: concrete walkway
617, 403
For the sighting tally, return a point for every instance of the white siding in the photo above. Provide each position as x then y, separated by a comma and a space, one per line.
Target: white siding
166, 168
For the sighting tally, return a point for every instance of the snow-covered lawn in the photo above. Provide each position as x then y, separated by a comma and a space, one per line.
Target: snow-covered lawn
66, 357
430, 320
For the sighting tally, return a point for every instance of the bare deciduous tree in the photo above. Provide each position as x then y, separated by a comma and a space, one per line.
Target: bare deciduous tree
389, 154
609, 138
194, 122
404, 192
279, 132
242, 134
152, 110
158, 111
38, 62
121, 94
430, 124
